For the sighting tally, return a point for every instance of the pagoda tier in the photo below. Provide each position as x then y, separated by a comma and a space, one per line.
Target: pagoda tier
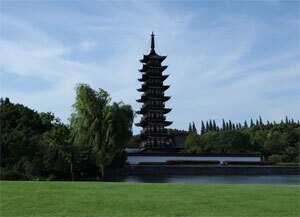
146, 98
146, 122
146, 77
154, 87
153, 134
157, 69
145, 110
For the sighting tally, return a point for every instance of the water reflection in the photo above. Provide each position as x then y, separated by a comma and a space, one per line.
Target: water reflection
216, 179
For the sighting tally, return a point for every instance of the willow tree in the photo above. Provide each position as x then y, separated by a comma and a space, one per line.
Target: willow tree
102, 128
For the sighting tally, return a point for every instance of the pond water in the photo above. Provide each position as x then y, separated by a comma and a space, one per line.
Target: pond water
213, 179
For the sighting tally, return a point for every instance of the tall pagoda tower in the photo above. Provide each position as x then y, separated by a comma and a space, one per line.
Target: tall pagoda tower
153, 135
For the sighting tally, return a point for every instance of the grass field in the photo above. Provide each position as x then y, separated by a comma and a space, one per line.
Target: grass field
137, 199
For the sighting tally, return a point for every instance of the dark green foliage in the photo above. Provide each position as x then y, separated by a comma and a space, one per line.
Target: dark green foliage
202, 127
223, 124
59, 155
21, 136
251, 123
190, 128
276, 142
36, 145
100, 129
194, 127
206, 127
192, 143
229, 142
245, 124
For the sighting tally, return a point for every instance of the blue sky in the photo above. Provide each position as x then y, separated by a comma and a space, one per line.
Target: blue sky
227, 59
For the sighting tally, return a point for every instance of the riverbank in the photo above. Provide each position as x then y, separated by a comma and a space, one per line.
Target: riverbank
132, 170
140, 199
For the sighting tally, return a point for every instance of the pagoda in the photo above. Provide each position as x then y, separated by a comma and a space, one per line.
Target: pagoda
153, 135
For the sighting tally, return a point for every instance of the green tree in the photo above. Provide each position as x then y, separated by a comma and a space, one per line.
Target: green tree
251, 123
223, 124
59, 139
202, 127
20, 139
245, 124
192, 143
194, 129
101, 128
214, 126
190, 128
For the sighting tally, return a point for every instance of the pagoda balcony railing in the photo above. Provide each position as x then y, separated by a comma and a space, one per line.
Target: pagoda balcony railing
153, 118
152, 95
162, 105
153, 84
153, 133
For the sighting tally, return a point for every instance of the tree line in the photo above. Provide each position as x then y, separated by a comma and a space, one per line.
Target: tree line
39, 146
278, 142
211, 126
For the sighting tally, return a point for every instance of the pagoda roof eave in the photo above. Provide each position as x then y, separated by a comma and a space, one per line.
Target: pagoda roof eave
145, 123
145, 110
152, 56
147, 68
145, 98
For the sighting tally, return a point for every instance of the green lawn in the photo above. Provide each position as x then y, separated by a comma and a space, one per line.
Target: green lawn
137, 199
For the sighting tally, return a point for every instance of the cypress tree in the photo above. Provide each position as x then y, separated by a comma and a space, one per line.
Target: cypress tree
207, 127
210, 126
202, 127
245, 124
251, 123
257, 123
223, 125
233, 126
287, 119
190, 128
214, 126
194, 128
260, 121
227, 126
230, 125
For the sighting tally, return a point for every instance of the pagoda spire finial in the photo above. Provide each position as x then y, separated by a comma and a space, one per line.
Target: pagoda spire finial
152, 41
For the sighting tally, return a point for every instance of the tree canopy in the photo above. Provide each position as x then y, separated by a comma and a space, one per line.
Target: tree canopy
37, 145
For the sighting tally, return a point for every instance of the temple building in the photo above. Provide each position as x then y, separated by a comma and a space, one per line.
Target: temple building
153, 134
